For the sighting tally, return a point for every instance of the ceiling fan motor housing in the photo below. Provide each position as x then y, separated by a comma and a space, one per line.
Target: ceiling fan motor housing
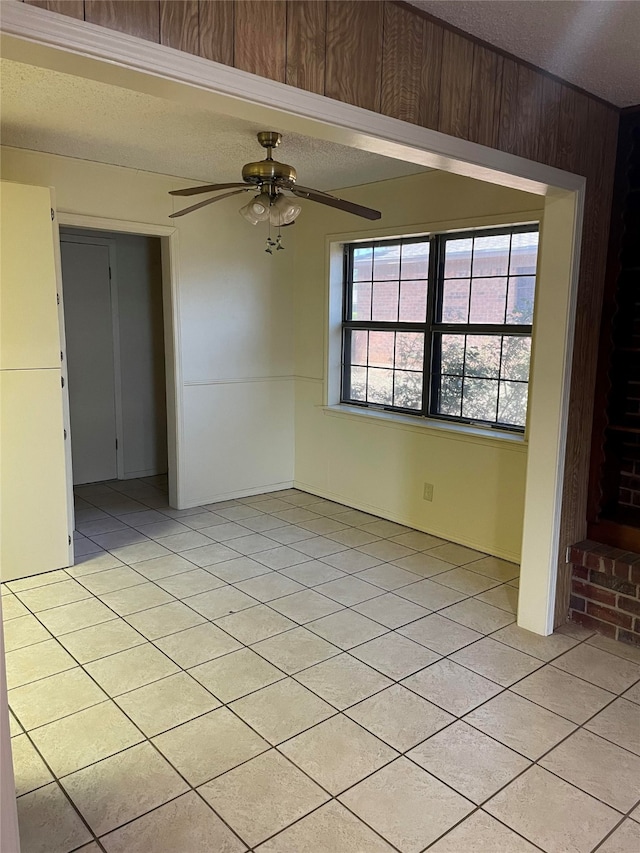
269, 171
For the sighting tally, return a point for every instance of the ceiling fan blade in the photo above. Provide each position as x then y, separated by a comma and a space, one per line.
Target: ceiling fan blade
209, 188
205, 203
333, 201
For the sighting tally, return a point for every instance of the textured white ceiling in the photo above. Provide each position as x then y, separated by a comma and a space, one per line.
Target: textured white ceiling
594, 44
48, 111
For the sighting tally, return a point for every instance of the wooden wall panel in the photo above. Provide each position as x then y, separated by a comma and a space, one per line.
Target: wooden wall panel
306, 39
455, 85
402, 84
431, 75
486, 95
354, 51
216, 33
179, 24
260, 37
549, 121
507, 133
71, 8
126, 16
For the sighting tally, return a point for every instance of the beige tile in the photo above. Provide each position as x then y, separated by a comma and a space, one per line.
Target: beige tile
37, 661
234, 675
14, 726
161, 529
135, 598
452, 687
48, 822
53, 595
399, 717
478, 616
625, 839
619, 723
355, 516
278, 792
295, 650
346, 628
190, 583
313, 573
564, 694
394, 655
471, 583
337, 753
296, 515
130, 669
73, 617
249, 543
239, 569
220, 602
263, 523
615, 647
88, 563
97, 641
166, 703
210, 745
85, 737
456, 554
391, 610
24, 631
282, 710
140, 551
386, 551
439, 634
269, 586
383, 528
38, 580
417, 540
330, 828
470, 762
197, 645
537, 805
12, 607
494, 567
601, 668
183, 542
185, 824
504, 596
545, 648
406, 805
255, 624
349, 590
29, 770
431, 595
520, 724
633, 693
118, 538
54, 697
496, 661
163, 567
290, 534
600, 768
343, 681
321, 546
481, 833
305, 606
164, 620
112, 579
425, 565
237, 513
353, 538
388, 576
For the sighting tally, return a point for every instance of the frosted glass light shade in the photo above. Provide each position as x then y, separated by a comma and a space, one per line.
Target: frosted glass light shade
257, 210
284, 211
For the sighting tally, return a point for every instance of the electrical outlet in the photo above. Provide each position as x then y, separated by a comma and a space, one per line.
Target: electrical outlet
427, 492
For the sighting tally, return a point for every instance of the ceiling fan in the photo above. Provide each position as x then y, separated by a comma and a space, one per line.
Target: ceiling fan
271, 180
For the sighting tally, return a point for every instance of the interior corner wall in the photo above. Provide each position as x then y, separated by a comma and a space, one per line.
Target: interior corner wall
375, 465
233, 324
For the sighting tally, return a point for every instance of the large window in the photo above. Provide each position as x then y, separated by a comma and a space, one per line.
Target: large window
440, 326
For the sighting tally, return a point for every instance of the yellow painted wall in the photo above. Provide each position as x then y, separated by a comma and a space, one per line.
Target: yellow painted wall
375, 464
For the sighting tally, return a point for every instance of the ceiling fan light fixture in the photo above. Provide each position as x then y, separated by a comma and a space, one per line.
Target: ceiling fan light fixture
284, 211
257, 210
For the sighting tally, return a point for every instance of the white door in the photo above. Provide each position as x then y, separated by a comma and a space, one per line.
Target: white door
90, 359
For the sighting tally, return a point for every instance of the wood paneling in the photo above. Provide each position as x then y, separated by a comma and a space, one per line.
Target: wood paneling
431, 75
260, 37
216, 30
486, 94
71, 8
179, 24
507, 133
306, 37
547, 134
354, 52
455, 85
126, 16
402, 85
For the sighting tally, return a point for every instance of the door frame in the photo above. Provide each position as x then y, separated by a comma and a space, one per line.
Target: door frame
169, 249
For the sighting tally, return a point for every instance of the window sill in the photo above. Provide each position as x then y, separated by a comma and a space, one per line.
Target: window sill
443, 429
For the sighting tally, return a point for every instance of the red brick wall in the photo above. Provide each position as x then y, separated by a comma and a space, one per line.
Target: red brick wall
605, 590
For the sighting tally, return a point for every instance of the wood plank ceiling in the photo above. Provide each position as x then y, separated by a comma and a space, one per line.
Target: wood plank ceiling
394, 59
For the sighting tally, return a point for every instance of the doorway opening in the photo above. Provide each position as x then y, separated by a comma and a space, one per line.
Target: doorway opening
115, 353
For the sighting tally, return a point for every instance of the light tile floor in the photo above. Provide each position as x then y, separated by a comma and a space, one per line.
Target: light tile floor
271, 674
